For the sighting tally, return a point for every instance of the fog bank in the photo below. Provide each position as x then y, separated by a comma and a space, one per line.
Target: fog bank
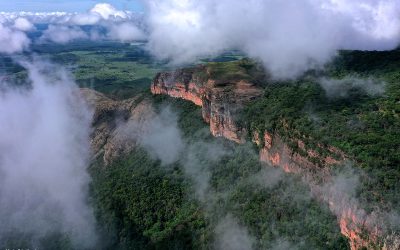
44, 153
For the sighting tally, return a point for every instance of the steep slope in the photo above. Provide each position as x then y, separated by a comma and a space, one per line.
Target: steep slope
153, 200
221, 99
137, 201
223, 95
107, 139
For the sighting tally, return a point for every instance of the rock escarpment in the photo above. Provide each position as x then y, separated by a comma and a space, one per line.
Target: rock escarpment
221, 103
108, 140
362, 229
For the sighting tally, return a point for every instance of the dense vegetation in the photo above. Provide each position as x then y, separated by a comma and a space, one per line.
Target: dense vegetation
365, 126
119, 70
141, 204
226, 72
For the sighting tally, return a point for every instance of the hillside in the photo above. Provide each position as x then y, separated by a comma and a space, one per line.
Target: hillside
347, 114
129, 186
306, 164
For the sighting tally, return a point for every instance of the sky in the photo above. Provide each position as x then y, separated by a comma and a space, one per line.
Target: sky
63, 5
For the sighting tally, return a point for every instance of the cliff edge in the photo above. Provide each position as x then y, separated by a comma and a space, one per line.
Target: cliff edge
222, 98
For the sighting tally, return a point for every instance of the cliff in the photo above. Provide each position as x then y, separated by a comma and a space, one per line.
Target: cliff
362, 229
223, 100
108, 140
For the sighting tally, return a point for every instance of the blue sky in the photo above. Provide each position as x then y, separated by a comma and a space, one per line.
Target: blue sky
65, 5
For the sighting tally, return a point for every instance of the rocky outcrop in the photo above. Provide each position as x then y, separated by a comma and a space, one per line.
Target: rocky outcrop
108, 140
221, 104
362, 229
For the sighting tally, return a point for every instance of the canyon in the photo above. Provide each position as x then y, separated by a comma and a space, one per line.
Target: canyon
223, 100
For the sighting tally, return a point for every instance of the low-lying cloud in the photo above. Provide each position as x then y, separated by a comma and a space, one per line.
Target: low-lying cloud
288, 37
23, 24
63, 34
341, 193
342, 88
231, 235
162, 137
44, 130
125, 32
157, 133
12, 41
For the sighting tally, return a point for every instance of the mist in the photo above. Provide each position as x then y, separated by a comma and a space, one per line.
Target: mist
45, 127
125, 32
63, 34
342, 195
288, 38
342, 88
159, 134
231, 235
12, 40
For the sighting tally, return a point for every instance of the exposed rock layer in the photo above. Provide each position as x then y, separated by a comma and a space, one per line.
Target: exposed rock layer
108, 140
221, 104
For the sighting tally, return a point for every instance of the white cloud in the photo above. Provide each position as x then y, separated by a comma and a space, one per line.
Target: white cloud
118, 25
23, 24
85, 19
341, 88
44, 151
100, 12
65, 27
376, 24
107, 11
158, 134
289, 37
37, 17
231, 235
12, 41
63, 34
125, 32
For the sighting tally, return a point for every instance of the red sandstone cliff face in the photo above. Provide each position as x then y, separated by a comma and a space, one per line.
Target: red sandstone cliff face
220, 106
362, 229
220, 102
